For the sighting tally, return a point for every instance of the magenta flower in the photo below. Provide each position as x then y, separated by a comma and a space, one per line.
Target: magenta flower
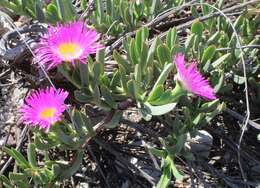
192, 80
44, 107
67, 43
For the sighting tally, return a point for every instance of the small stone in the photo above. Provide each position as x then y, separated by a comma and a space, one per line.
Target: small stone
11, 120
2, 142
133, 160
84, 169
200, 144
2, 162
82, 185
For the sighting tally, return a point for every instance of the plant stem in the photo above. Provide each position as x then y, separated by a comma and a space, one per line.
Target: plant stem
177, 92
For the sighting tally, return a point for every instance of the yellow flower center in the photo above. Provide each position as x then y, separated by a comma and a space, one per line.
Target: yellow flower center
69, 50
48, 113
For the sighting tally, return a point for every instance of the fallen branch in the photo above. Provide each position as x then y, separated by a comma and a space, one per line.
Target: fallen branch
242, 118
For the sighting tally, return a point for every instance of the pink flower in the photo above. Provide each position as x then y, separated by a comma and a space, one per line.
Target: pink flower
192, 80
67, 43
44, 107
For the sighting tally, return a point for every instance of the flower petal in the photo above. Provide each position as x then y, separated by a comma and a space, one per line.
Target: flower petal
44, 107
69, 42
192, 80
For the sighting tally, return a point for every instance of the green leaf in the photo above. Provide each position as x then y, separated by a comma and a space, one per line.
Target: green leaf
197, 120
23, 4
197, 28
115, 82
205, 9
97, 96
16, 177
220, 82
77, 121
159, 110
65, 71
109, 7
84, 75
64, 138
30, 11
141, 37
98, 69
175, 171
100, 9
220, 3
19, 179
115, 120
132, 89
253, 83
177, 92
145, 114
180, 143
214, 38
164, 54
220, 60
88, 125
69, 171
153, 47
196, 43
138, 73
43, 176
171, 38
126, 45
120, 60
165, 177
12, 6
161, 79
207, 67
76, 79
208, 54
156, 93
155, 7
108, 98
4, 3
22, 184
52, 13
66, 10
149, 78
34, 174
83, 4
19, 158
123, 78
133, 55
105, 79
194, 12
100, 56
56, 170
187, 115
31, 154
239, 21
189, 43
82, 96
157, 152
4, 180
209, 106
128, 18
42, 144
221, 107
143, 60
39, 11
165, 98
